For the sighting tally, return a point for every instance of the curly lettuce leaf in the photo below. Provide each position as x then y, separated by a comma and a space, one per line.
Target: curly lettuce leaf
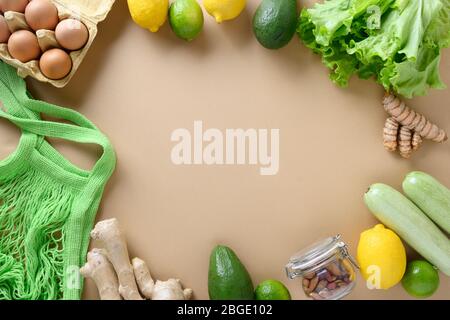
438, 33
403, 54
401, 33
413, 77
333, 19
326, 29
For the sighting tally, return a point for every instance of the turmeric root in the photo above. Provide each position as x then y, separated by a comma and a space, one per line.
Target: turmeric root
99, 269
113, 240
406, 129
401, 137
416, 141
412, 120
405, 142
390, 134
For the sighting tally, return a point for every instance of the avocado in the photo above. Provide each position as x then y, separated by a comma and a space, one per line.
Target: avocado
275, 22
228, 279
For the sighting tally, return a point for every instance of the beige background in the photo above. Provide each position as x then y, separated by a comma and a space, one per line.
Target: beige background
139, 87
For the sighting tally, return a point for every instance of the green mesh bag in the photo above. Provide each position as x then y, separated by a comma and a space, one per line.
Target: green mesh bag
47, 205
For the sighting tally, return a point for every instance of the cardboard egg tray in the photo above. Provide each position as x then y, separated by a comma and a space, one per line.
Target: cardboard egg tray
90, 12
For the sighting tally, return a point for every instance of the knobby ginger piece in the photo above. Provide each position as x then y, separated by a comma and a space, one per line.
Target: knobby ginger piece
412, 120
130, 275
143, 277
113, 240
170, 290
101, 271
162, 290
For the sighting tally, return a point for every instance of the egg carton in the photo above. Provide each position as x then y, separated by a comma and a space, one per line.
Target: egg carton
90, 12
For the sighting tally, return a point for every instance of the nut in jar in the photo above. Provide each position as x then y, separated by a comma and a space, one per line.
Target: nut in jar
326, 269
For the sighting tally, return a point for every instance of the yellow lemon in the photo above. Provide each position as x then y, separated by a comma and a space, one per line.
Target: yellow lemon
382, 257
149, 14
223, 10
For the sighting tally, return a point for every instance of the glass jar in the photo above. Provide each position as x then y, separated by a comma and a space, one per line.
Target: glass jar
326, 269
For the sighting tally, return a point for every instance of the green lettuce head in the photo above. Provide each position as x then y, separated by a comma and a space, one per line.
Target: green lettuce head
398, 42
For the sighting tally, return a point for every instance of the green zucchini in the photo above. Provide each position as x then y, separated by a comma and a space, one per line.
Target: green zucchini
402, 216
430, 196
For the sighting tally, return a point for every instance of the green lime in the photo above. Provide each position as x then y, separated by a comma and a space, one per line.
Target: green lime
272, 290
186, 19
421, 279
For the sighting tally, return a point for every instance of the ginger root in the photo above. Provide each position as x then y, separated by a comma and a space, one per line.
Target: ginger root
405, 129
161, 290
115, 276
99, 269
143, 277
170, 290
412, 120
109, 234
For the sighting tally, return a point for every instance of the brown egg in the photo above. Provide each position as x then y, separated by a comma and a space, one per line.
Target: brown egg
55, 64
4, 30
71, 34
41, 14
13, 5
23, 46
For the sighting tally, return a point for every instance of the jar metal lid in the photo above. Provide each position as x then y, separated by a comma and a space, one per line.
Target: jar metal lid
311, 256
